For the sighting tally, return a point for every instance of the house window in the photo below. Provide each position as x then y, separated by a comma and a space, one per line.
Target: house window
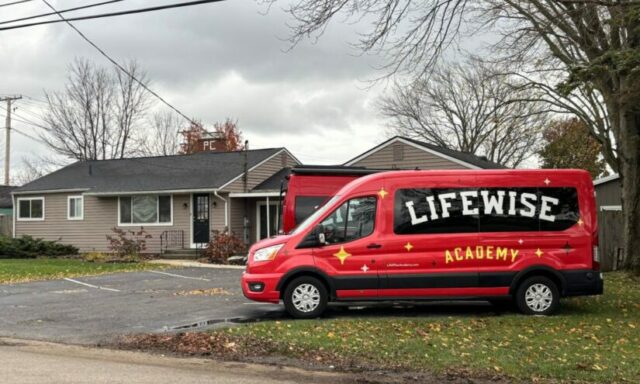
31, 208
146, 210
75, 208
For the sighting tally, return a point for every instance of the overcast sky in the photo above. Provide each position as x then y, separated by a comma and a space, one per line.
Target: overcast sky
212, 61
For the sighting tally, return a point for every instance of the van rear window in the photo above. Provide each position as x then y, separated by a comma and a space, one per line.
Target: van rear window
467, 210
306, 205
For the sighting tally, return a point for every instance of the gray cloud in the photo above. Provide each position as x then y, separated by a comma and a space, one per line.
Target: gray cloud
216, 61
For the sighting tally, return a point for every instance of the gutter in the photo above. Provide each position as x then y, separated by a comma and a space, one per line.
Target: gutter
49, 191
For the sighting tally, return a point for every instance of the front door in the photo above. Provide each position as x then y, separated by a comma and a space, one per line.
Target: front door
200, 218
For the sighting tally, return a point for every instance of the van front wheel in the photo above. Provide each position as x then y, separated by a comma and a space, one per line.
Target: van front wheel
305, 298
538, 295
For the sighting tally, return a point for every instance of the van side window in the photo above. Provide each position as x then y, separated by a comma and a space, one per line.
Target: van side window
485, 209
351, 221
433, 211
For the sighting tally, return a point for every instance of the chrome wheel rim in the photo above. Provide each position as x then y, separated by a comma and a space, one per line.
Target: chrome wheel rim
538, 297
306, 298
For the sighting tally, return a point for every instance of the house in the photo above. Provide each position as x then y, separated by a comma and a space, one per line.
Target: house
177, 199
402, 153
608, 193
6, 202
180, 199
610, 221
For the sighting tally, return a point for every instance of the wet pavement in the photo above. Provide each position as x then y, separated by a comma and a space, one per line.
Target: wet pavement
91, 310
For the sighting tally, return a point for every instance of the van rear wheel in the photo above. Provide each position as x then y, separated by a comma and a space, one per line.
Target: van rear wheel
538, 295
305, 297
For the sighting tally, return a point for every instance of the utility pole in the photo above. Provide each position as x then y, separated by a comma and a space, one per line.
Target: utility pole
7, 142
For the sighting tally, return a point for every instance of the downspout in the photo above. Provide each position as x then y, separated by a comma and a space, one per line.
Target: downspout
226, 212
14, 213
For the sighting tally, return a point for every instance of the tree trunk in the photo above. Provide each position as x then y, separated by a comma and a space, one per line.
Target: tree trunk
630, 175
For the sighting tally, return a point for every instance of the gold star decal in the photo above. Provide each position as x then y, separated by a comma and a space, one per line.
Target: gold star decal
382, 193
342, 255
580, 222
408, 247
539, 253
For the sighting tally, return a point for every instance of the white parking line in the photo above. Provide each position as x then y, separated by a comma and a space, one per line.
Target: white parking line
180, 276
91, 285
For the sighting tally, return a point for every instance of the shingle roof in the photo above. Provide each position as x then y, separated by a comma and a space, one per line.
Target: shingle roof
204, 170
5, 196
274, 182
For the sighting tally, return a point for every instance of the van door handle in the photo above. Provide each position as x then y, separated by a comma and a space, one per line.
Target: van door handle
374, 246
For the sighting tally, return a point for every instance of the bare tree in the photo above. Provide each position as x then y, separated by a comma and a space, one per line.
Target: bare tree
163, 136
582, 53
35, 167
96, 115
470, 108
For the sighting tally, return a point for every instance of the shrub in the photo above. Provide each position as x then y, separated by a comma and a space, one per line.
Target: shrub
127, 245
27, 247
221, 246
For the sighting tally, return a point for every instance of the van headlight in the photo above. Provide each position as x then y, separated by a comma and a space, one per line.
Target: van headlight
267, 254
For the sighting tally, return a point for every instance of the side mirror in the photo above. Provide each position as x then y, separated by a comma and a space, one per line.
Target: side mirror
315, 238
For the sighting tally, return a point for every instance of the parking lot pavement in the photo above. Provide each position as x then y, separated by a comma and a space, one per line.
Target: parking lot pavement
90, 310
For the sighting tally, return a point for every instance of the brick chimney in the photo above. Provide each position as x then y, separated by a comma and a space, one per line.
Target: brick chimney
211, 142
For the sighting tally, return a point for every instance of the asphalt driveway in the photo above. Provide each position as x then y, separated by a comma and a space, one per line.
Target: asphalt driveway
91, 310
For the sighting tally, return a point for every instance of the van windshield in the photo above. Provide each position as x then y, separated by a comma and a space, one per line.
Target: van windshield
321, 211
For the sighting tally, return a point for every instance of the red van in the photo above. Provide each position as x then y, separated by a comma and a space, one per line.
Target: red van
529, 235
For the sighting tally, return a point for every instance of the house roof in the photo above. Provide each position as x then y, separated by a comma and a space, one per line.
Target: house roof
467, 159
274, 182
606, 179
199, 171
5, 196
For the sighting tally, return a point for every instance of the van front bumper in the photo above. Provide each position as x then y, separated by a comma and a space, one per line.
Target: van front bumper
261, 287
583, 283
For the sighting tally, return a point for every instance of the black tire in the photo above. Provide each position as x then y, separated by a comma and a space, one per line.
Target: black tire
546, 287
294, 309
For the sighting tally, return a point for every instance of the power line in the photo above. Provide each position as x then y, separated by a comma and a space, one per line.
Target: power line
23, 119
120, 67
14, 3
29, 136
30, 113
113, 14
61, 11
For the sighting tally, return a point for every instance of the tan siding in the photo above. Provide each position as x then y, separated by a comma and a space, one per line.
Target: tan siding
100, 216
217, 212
262, 172
413, 157
609, 193
236, 216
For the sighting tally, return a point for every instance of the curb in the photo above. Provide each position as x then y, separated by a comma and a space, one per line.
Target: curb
194, 264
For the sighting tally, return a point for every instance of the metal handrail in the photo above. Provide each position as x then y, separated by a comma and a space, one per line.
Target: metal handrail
171, 239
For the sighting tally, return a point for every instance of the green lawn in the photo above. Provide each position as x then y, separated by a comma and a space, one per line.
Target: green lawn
592, 339
22, 270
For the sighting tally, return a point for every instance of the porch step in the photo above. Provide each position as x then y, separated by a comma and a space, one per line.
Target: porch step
181, 254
